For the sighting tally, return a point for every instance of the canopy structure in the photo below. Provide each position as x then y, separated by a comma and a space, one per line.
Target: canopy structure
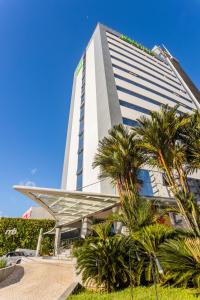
68, 208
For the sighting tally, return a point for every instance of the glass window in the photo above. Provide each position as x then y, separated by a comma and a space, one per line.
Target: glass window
80, 161
149, 89
80, 144
81, 126
146, 189
150, 81
129, 122
135, 107
145, 65
82, 112
145, 72
79, 182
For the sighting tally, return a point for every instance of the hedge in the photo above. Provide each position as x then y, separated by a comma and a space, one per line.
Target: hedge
27, 232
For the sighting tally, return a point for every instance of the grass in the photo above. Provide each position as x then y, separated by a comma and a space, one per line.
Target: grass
139, 293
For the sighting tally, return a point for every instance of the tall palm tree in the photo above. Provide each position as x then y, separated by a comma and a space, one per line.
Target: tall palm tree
159, 137
190, 136
119, 158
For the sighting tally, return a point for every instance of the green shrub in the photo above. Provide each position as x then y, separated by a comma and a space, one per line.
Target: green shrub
104, 259
26, 235
2, 263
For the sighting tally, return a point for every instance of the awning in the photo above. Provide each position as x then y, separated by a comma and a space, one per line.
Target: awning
68, 208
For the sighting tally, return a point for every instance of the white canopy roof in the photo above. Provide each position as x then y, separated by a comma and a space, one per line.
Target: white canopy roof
68, 207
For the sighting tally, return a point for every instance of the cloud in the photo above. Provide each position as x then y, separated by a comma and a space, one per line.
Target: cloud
34, 171
27, 182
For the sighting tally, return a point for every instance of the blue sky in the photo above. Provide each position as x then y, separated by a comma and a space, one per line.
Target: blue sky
41, 43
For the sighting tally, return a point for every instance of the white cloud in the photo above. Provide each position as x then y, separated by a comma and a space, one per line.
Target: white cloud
33, 171
27, 182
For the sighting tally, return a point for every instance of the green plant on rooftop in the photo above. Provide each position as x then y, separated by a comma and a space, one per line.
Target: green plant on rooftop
136, 44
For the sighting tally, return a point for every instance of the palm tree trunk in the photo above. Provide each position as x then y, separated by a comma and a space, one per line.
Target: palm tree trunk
175, 190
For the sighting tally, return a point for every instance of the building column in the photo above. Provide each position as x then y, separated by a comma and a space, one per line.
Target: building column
57, 241
172, 220
39, 242
85, 228
117, 225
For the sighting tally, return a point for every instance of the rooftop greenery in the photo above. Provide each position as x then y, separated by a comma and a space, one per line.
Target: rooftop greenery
136, 44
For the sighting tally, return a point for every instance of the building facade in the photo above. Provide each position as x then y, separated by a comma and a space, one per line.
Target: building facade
118, 80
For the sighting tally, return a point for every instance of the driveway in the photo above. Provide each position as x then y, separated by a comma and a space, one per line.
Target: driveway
37, 279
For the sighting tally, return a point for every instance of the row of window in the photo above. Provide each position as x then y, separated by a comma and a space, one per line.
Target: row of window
156, 59
129, 122
79, 173
145, 72
126, 91
132, 59
135, 107
144, 63
150, 90
150, 81
164, 69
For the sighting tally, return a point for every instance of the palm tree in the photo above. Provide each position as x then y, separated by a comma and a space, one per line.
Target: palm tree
135, 212
119, 158
104, 259
181, 261
190, 136
159, 138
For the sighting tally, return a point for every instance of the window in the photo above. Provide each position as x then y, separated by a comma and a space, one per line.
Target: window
150, 81
80, 161
145, 72
146, 189
119, 88
129, 122
79, 182
135, 107
146, 66
165, 69
150, 90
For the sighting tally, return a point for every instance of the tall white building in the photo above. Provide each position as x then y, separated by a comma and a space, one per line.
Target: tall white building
116, 81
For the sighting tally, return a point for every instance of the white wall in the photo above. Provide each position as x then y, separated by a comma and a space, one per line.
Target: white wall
90, 175
73, 157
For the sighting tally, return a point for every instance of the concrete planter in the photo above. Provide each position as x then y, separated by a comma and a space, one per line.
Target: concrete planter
5, 272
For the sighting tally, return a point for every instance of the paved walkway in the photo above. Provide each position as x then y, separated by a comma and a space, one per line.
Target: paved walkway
36, 279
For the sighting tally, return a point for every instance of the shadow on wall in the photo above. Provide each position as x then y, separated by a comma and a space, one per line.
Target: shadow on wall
13, 278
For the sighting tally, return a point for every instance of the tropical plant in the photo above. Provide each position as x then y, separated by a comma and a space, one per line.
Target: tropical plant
160, 139
190, 136
148, 240
104, 259
135, 212
181, 261
119, 158
2, 263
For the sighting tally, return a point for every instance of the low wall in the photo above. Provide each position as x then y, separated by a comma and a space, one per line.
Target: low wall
5, 272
